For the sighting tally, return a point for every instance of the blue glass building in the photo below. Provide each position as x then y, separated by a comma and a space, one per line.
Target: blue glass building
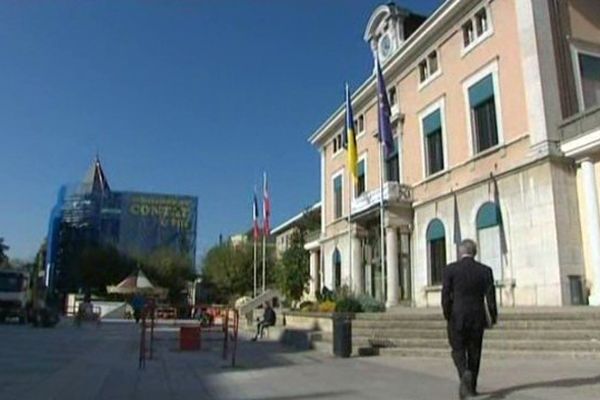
135, 223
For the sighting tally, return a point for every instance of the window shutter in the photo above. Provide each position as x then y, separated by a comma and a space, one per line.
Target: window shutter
481, 91
432, 123
488, 216
435, 230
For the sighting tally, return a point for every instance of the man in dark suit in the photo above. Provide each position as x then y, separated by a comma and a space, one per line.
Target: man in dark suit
465, 285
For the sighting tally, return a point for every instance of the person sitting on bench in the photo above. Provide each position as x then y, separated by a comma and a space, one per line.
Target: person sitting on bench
269, 318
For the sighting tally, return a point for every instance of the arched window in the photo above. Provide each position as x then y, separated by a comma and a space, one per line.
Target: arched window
337, 268
488, 236
436, 250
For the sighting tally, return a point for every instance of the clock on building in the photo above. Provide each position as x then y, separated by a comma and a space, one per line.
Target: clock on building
385, 46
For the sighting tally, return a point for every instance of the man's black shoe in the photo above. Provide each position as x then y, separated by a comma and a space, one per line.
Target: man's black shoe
466, 385
253, 339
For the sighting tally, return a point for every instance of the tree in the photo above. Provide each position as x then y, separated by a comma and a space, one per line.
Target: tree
100, 266
230, 269
170, 270
292, 272
3, 249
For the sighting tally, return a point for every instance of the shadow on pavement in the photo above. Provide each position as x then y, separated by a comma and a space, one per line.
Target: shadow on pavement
249, 356
562, 383
267, 354
317, 395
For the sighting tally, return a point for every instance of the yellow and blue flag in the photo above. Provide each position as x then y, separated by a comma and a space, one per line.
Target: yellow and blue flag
350, 139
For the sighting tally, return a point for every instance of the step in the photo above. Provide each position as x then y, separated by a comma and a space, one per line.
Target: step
501, 344
558, 334
502, 324
357, 323
326, 347
526, 345
323, 347
489, 354
553, 314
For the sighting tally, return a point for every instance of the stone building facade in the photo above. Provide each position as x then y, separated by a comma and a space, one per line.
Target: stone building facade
486, 97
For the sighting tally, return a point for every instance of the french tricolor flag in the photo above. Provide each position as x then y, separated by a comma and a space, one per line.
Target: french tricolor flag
256, 228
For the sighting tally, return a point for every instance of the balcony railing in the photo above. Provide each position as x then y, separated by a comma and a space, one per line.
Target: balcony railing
581, 123
312, 236
393, 192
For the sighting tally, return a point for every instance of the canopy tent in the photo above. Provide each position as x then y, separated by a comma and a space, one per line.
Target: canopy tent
137, 283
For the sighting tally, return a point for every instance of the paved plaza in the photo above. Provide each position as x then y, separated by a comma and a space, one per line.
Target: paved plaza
100, 362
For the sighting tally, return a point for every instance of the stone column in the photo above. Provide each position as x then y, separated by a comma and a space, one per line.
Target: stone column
593, 224
357, 270
314, 283
391, 241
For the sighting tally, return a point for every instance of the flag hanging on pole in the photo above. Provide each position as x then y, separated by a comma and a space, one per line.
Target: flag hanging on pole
503, 244
385, 126
266, 207
457, 232
256, 228
350, 139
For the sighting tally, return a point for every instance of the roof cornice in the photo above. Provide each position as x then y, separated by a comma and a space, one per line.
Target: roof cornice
409, 49
285, 225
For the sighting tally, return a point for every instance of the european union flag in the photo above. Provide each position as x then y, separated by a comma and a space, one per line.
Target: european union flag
385, 126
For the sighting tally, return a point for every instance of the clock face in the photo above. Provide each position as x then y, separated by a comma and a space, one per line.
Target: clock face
385, 46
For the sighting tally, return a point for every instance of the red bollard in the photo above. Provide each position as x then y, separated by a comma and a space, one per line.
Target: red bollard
189, 338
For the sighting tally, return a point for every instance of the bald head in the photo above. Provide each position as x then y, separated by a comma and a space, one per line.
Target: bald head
467, 248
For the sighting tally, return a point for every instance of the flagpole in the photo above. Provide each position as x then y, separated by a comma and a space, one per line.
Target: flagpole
381, 227
255, 259
350, 188
351, 265
266, 230
264, 262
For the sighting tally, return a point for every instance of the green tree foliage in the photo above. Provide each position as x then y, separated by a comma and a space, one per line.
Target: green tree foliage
170, 270
102, 266
292, 272
229, 270
310, 221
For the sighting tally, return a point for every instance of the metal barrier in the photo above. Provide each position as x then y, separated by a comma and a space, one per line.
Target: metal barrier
147, 314
229, 326
223, 319
234, 316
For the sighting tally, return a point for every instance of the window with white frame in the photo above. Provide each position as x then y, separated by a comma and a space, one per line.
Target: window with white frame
429, 67
392, 96
337, 196
482, 109
338, 143
361, 184
589, 79
359, 124
392, 164
436, 250
434, 142
476, 28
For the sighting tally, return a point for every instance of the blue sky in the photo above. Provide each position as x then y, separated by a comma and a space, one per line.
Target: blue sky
181, 96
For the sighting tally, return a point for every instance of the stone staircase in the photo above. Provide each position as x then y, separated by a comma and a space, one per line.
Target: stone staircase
572, 332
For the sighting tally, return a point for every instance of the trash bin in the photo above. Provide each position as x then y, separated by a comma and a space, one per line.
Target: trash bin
189, 338
342, 335
576, 286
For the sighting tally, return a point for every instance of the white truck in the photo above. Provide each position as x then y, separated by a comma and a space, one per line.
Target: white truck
14, 295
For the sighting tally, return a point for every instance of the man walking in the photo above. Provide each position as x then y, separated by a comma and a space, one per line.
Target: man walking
467, 287
269, 318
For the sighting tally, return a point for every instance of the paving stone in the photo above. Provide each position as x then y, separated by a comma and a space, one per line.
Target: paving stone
100, 362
